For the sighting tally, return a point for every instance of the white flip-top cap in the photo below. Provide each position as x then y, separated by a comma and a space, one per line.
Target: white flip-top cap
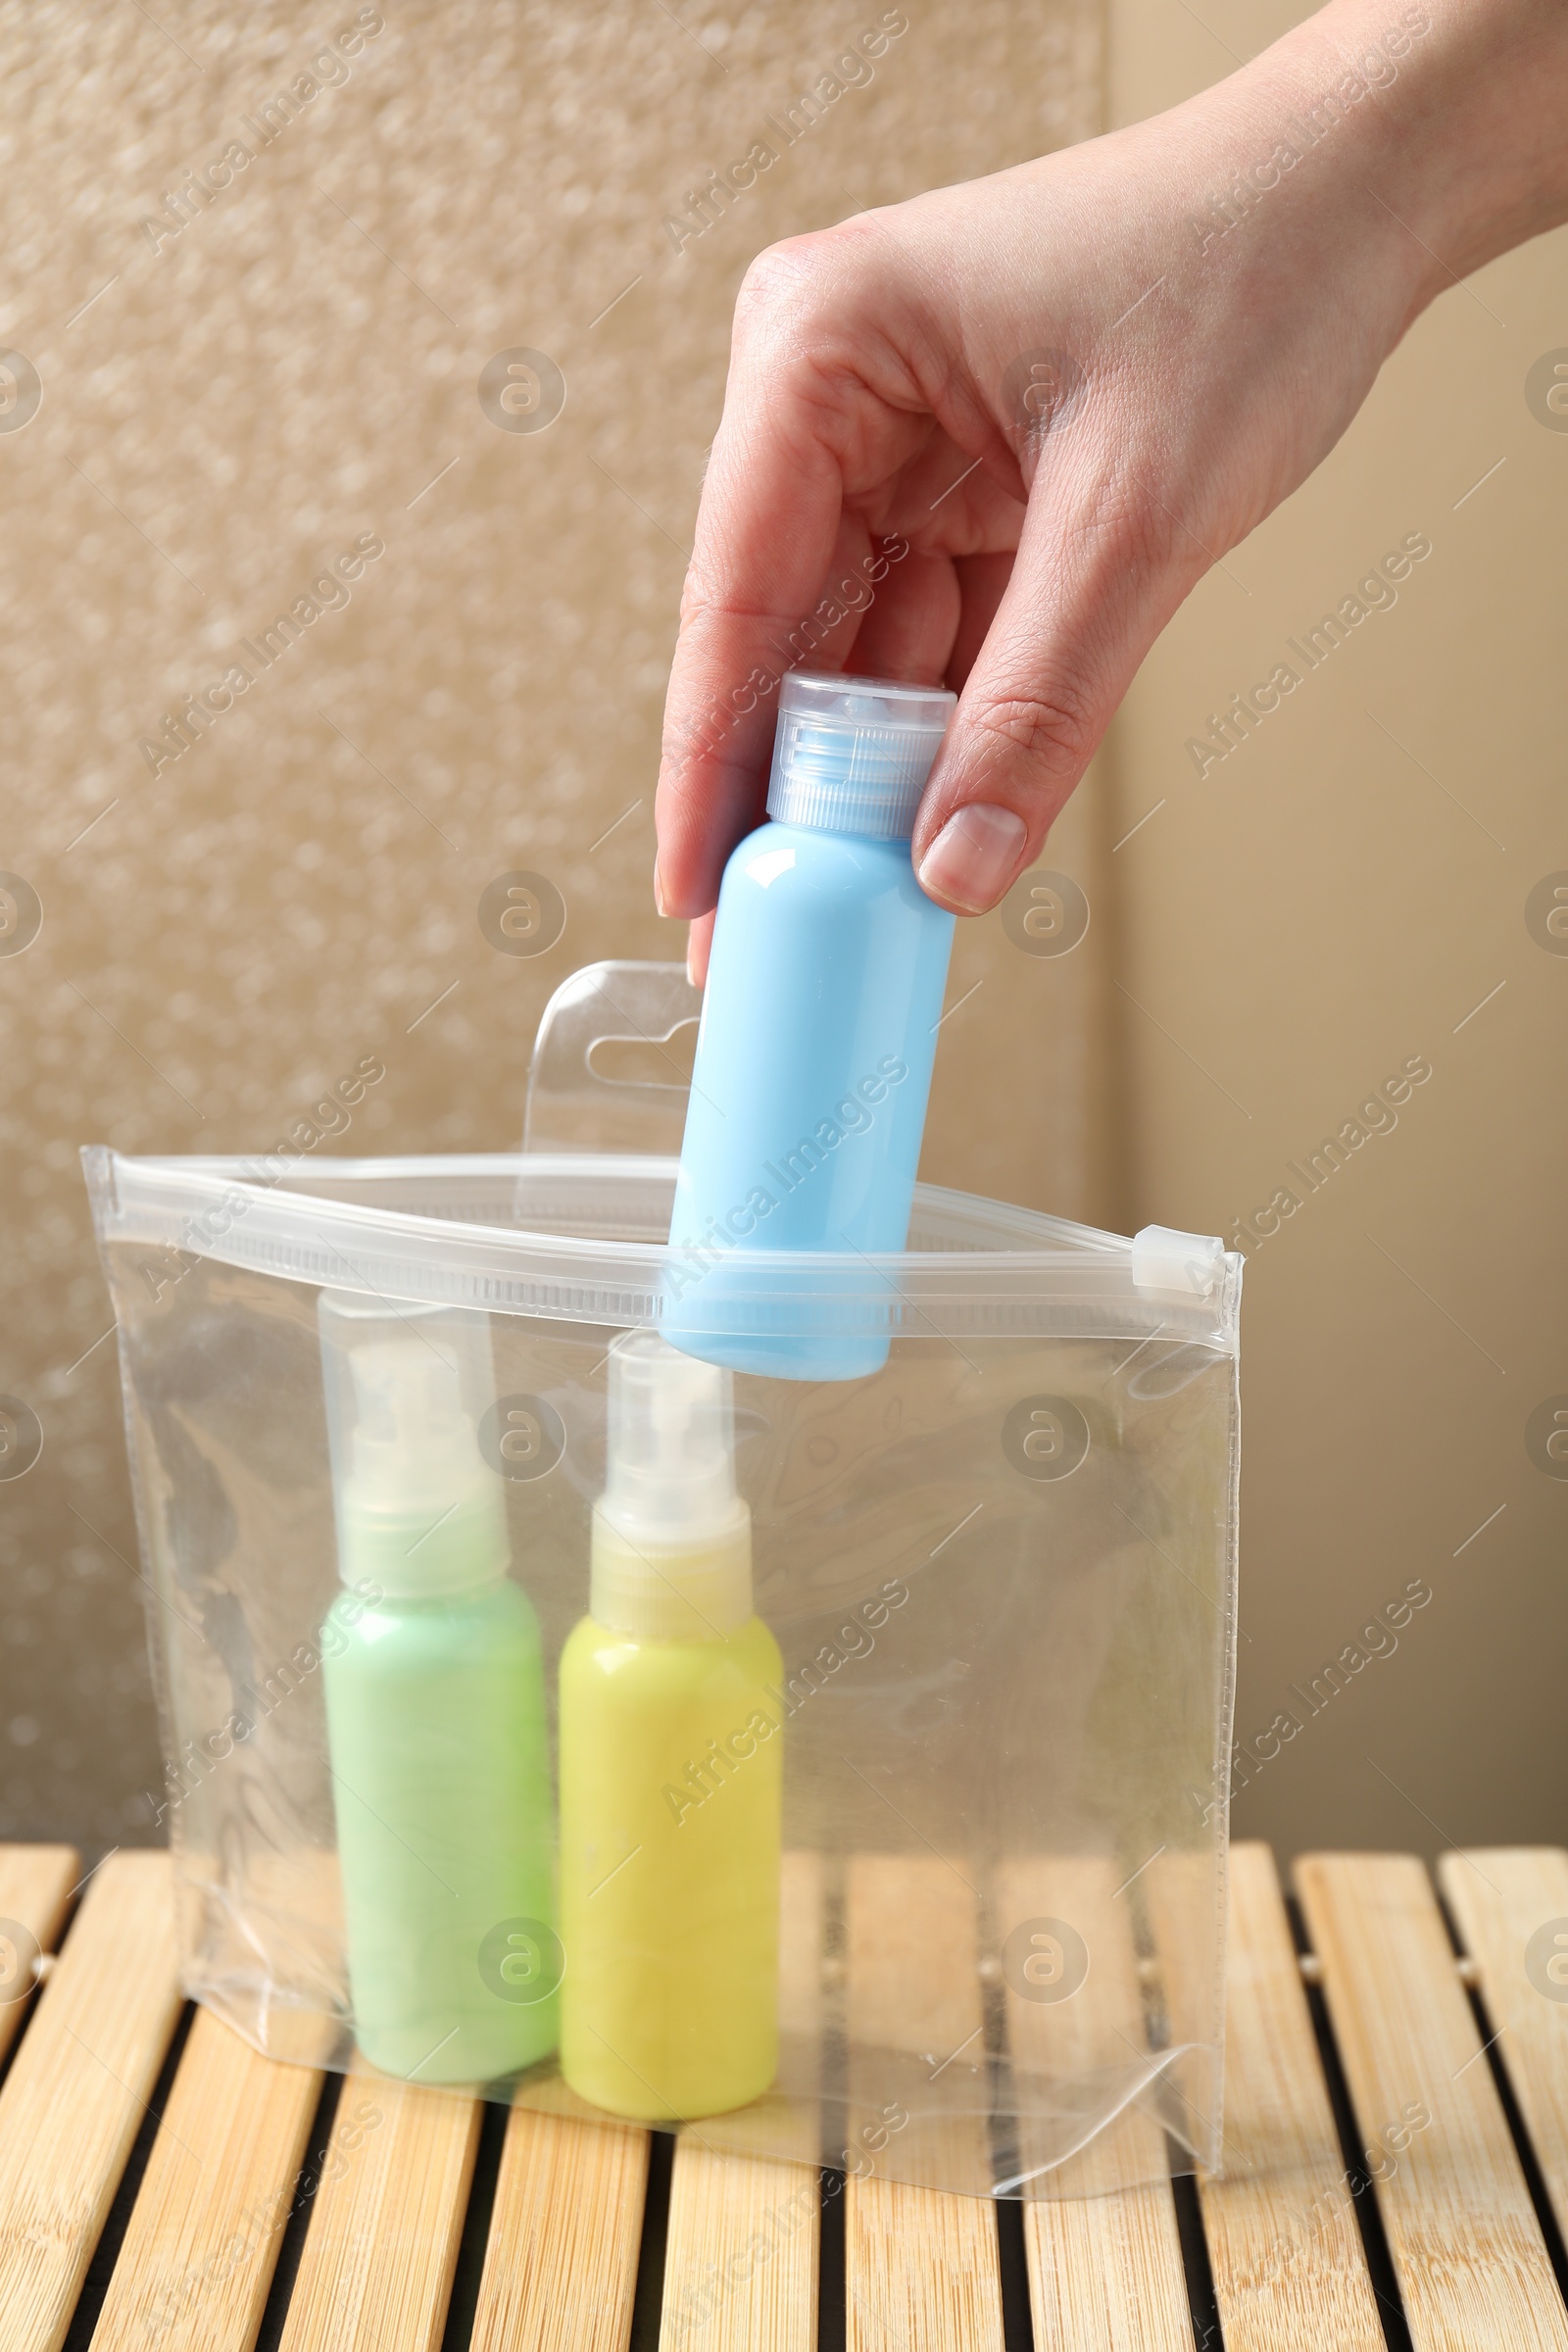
671, 1547
852, 754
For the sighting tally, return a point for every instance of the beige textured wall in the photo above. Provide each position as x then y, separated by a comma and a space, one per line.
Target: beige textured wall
300, 368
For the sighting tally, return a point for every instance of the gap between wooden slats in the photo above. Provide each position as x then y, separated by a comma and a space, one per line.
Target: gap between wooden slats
1471, 2267
741, 2250
376, 2275
1510, 1905
78, 2089
36, 1882
921, 2267
1104, 2252
1284, 2245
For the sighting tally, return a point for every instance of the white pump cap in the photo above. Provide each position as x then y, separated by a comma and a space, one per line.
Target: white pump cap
419, 1514
672, 1540
852, 754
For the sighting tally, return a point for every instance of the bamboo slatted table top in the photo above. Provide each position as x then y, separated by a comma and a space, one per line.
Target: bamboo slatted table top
1396, 2167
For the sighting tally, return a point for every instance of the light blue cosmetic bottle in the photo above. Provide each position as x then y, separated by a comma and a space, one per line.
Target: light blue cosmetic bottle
818, 1036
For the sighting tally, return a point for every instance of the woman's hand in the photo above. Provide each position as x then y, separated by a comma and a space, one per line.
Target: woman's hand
993, 436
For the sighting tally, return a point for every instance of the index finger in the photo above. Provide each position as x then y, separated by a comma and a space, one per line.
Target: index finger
766, 529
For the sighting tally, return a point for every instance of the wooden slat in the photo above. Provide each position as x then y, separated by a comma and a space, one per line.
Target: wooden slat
921, 2267
740, 2266
1283, 2239
1510, 1905
78, 2090
1104, 2252
376, 2271
203, 2237
561, 2265
36, 1882
1471, 2267
741, 2249
1181, 1893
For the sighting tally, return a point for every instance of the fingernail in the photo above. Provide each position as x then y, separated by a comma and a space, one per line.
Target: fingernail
974, 857
659, 889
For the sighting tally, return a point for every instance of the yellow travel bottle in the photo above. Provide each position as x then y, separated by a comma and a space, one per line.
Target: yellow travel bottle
671, 1754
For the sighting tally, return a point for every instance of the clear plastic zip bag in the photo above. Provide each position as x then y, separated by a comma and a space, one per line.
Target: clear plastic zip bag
922, 1877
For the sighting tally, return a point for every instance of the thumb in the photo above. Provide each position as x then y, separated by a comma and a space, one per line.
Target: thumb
1095, 580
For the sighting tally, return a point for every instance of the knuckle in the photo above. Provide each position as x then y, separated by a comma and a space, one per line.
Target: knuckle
1130, 526
780, 277
1052, 727
700, 603
1132, 531
805, 322
800, 283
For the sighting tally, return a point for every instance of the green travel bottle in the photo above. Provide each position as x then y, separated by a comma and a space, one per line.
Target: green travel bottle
435, 1708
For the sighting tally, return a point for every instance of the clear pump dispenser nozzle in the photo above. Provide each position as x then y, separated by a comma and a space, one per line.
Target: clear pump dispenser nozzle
671, 1545
419, 1513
